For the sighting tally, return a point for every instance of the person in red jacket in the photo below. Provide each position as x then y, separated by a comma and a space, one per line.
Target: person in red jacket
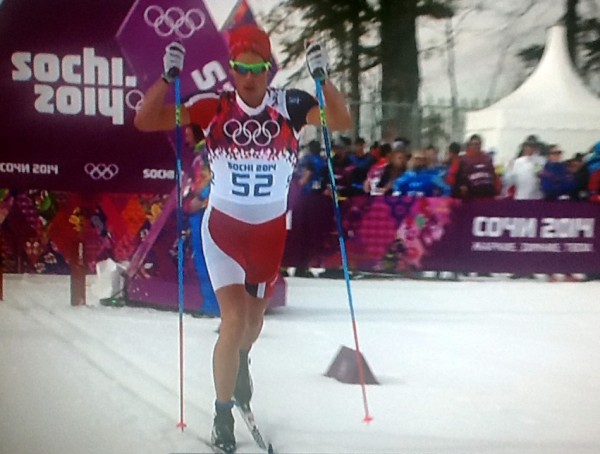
592, 163
453, 163
476, 176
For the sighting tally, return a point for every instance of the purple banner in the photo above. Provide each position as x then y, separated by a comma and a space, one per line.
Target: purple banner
70, 88
528, 236
384, 234
397, 234
152, 24
68, 102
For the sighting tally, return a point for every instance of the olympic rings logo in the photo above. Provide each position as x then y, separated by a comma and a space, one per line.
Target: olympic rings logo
251, 131
101, 171
134, 99
174, 20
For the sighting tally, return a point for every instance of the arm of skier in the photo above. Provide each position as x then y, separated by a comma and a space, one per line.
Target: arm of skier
338, 117
155, 115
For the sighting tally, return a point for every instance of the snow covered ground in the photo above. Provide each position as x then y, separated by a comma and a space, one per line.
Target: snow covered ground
464, 367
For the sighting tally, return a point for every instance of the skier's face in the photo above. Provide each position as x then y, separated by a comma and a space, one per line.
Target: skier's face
250, 75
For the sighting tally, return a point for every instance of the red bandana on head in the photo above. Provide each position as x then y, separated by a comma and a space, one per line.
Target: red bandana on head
249, 38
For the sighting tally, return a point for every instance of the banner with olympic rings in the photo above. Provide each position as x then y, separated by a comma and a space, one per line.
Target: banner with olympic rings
152, 24
73, 74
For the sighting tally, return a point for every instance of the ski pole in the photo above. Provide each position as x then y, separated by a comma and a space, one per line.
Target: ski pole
180, 239
338, 218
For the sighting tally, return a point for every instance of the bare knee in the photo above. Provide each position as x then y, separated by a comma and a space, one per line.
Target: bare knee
255, 318
234, 323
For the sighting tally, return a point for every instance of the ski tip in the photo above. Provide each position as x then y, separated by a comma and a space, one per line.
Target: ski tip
270, 449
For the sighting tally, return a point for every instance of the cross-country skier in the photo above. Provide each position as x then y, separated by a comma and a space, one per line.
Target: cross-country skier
252, 141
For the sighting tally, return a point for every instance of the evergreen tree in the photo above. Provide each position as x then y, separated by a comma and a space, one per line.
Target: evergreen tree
340, 24
348, 26
583, 40
589, 40
399, 61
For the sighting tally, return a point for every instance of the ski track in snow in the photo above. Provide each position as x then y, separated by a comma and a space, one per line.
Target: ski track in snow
464, 367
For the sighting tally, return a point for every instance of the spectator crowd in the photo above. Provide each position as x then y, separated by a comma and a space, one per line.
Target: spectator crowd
538, 171
465, 171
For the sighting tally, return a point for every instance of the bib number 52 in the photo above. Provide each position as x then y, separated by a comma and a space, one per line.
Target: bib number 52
244, 185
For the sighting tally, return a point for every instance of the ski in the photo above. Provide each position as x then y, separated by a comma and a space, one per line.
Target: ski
248, 417
215, 449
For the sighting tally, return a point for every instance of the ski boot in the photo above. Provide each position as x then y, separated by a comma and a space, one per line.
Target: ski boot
222, 436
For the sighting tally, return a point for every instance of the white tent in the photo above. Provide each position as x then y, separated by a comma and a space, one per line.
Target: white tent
553, 103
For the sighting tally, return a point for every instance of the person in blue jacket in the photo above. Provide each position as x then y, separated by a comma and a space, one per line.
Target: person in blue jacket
312, 169
361, 161
420, 180
556, 181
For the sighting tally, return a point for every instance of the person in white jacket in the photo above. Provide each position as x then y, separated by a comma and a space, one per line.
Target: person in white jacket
525, 170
